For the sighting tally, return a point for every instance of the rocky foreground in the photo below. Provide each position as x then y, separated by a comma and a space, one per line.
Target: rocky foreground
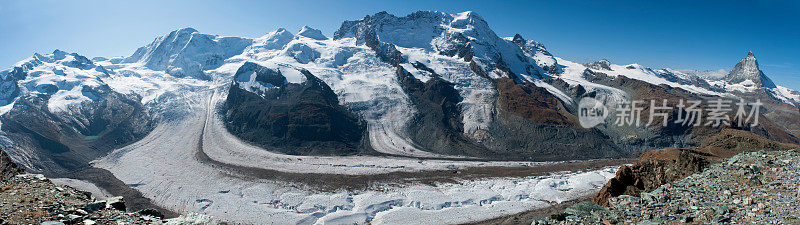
760, 187
33, 199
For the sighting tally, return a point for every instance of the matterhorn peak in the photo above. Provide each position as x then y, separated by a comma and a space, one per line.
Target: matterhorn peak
747, 69
312, 33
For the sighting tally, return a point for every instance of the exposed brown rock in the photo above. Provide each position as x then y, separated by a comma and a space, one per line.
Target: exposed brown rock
654, 169
532, 102
730, 142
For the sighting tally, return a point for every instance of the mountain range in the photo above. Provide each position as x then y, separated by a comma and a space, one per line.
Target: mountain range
429, 85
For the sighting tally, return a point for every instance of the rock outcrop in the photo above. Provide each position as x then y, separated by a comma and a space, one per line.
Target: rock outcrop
653, 169
293, 118
749, 188
658, 167
62, 142
8, 168
34, 199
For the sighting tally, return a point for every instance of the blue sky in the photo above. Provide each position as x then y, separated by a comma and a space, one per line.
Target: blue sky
703, 35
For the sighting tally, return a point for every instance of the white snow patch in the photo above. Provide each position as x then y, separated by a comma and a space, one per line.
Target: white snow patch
786, 95
573, 75
638, 72
312, 33
743, 87
555, 91
96, 191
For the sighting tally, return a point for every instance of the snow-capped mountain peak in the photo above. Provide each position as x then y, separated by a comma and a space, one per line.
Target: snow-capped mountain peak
747, 70
67, 78
463, 35
602, 64
186, 52
274, 40
312, 33
709, 75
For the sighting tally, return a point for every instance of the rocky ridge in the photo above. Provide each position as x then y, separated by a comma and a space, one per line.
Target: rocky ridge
33, 199
750, 188
8, 168
661, 166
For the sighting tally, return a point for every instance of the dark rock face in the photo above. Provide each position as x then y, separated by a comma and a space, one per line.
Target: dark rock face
674, 135
365, 33
527, 115
532, 103
263, 74
8, 168
788, 115
438, 127
62, 142
532, 124
298, 119
603, 64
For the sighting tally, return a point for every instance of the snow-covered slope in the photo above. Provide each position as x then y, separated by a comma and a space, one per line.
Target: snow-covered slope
668, 77
363, 83
461, 49
447, 34
786, 95
186, 52
67, 78
745, 78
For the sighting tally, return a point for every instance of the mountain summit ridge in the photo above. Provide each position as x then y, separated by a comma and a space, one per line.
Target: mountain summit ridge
748, 69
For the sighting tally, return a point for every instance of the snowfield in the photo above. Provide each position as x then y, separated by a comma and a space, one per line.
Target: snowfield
96, 191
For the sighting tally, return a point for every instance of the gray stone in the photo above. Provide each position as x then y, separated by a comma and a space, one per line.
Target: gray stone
584, 209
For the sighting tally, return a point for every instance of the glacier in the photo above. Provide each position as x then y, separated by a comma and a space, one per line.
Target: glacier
182, 78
